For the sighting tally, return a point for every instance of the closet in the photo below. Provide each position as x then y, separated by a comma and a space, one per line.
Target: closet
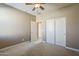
56, 31
50, 31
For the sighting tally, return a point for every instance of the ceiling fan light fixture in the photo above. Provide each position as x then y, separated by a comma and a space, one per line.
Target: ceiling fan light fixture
37, 5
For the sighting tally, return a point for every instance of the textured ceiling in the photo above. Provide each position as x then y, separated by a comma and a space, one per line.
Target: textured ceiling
28, 8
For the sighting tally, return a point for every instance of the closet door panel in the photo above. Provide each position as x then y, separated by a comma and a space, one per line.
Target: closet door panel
50, 31
60, 31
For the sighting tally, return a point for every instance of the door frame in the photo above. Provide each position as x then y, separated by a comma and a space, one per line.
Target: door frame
31, 29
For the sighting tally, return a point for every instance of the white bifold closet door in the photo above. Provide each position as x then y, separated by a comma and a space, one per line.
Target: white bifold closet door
60, 31
50, 31
56, 31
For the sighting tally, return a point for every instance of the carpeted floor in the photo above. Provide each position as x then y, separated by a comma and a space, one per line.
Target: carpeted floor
45, 49
38, 49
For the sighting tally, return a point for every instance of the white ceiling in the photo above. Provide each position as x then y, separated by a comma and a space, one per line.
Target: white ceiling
28, 8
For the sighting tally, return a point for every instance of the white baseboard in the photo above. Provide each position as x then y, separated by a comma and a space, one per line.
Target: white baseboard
73, 49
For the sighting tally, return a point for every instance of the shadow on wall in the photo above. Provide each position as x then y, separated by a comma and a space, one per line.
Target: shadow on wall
14, 26
8, 40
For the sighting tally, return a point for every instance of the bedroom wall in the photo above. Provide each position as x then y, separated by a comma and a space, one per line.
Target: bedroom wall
71, 13
14, 26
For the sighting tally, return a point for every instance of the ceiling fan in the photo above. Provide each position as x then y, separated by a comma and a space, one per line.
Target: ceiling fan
36, 6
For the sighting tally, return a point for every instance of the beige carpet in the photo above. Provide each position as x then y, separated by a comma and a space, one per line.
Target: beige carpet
38, 49
45, 49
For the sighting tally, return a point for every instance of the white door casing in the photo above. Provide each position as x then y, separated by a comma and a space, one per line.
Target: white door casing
33, 31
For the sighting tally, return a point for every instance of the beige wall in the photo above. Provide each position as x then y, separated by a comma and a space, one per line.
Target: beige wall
14, 25
72, 22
